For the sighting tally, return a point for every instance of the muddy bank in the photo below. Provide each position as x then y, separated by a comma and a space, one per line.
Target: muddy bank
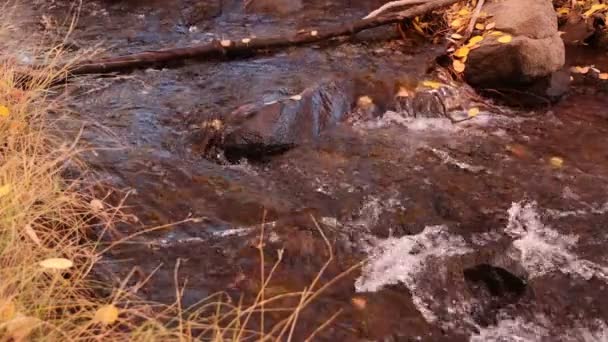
481, 230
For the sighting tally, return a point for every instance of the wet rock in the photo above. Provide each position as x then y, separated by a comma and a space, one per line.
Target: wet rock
529, 60
259, 130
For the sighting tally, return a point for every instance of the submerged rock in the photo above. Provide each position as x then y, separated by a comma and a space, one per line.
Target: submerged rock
528, 62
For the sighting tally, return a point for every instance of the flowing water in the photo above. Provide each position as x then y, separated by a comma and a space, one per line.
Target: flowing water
473, 231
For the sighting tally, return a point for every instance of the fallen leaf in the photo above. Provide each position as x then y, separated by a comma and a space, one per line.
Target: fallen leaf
226, 43
56, 263
505, 39
473, 112
364, 101
580, 69
480, 26
31, 233
458, 66
595, 8
432, 84
496, 33
245, 40
475, 40
19, 328
4, 112
7, 310
556, 162
5, 190
403, 92
359, 303
518, 150
96, 205
456, 36
563, 11
462, 52
296, 97
456, 23
603, 76
490, 26
106, 314
314, 33
464, 11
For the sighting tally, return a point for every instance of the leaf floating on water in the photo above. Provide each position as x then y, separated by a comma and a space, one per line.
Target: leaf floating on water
462, 52
106, 315
56, 263
359, 303
473, 112
4, 111
505, 39
458, 66
432, 84
5, 190
556, 162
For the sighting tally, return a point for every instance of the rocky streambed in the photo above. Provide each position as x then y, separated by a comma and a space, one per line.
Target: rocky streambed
491, 229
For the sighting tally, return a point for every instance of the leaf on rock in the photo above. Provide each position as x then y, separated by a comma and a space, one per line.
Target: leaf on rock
462, 52
556, 162
456, 36
474, 40
432, 84
473, 112
458, 65
595, 8
4, 111
506, 39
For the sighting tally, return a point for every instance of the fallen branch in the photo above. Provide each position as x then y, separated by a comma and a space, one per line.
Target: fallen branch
393, 4
474, 18
247, 46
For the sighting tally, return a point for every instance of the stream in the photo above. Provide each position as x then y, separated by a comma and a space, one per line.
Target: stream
492, 229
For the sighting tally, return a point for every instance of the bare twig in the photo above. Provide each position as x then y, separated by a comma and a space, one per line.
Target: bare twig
474, 17
393, 4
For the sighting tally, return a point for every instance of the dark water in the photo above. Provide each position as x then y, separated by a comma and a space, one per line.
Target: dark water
436, 204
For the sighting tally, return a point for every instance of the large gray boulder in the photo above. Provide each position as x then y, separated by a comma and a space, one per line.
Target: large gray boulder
534, 55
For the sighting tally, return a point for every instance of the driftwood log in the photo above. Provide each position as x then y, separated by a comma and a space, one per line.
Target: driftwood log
247, 46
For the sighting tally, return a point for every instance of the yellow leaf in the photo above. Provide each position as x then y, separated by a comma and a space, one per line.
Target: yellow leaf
19, 328
464, 11
4, 112
456, 36
106, 314
490, 26
462, 52
5, 190
473, 112
505, 39
456, 23
480, 26
432, 84
603, 76
595, 8
56, 263
474, 40
563, 11
96, 205
556, 162
458, 66
580, 69
496, 33
7, 310
364, 101
403, 92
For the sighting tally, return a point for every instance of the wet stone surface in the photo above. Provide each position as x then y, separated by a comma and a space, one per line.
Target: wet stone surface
472, 230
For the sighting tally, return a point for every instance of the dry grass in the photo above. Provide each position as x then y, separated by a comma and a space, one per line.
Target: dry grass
46, 214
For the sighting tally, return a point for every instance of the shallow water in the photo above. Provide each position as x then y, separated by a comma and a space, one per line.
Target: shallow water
473, 233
